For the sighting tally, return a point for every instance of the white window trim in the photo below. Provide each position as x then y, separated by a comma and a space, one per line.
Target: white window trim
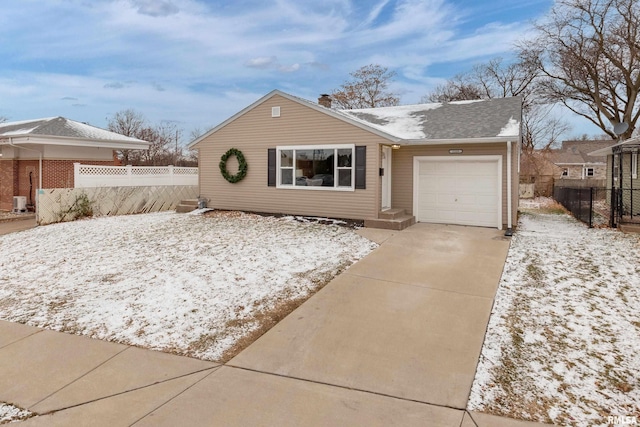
586, 172
634, 165
279, 148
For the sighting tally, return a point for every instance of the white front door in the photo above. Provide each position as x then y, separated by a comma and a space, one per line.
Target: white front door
386, 177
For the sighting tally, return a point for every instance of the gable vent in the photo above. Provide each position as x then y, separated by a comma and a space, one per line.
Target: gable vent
275, 111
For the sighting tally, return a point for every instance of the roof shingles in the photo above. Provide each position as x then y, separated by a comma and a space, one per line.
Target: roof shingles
499, 117
61, 127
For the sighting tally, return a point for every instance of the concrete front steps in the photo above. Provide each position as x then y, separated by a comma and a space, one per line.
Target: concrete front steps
391, 219
187, 205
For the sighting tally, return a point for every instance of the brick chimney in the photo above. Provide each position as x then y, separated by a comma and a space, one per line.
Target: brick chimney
325, 100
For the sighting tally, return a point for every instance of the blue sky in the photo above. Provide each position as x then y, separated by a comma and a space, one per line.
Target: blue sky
197, 62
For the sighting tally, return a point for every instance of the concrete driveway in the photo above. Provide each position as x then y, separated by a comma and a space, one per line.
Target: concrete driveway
392, 341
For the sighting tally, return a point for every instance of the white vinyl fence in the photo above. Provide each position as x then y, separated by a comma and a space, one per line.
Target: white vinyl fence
132, 176
67, 204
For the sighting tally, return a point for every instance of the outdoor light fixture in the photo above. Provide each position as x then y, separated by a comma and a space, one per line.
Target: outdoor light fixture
395, 146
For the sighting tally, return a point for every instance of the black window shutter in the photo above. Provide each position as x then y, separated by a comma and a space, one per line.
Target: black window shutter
271, 167
361, 167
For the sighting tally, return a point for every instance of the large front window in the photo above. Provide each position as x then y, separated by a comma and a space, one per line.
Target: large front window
316, 167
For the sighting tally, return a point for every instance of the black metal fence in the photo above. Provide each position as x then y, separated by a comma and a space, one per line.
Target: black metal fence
626, 206
581, 202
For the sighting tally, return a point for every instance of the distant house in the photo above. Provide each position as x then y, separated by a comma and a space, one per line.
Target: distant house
574, 161
453, 163
40, 154
537, 174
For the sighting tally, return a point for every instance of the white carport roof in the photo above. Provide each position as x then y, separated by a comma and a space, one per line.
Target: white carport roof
609, 150
62, 131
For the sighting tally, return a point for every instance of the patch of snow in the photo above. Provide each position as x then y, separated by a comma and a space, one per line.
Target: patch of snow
22, 122
563, 338
200, 211
92, 132
403, 121
23, 131
466, 102
10, 413
512, 128
167, 281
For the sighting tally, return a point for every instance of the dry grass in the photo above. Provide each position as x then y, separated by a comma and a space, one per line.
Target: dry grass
264, 319
542, 205
560, 346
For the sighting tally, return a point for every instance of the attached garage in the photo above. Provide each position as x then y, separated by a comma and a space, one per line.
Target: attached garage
452, 163
458, 190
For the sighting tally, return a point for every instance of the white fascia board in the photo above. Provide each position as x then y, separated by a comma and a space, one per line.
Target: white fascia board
454, 141
79, 142
607, 151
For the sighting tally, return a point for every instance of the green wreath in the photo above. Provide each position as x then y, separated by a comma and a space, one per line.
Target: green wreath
242, 165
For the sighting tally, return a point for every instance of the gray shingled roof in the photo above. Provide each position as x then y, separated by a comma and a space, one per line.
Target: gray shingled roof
577, 152
453, 120
62, 127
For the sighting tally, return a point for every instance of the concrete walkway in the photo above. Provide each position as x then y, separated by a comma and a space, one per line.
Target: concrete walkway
6, 227
394, 340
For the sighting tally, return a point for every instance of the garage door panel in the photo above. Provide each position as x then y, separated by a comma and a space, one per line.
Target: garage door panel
487, 202
458, 192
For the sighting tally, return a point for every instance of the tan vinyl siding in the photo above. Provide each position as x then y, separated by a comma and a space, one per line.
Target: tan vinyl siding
515, 182
256, 131
402, 166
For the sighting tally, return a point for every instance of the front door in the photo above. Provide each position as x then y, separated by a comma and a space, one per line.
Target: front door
386, 177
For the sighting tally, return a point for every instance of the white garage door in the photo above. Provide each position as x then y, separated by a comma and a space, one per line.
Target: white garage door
465, 191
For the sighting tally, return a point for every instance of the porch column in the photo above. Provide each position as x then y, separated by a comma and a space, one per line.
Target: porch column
9, 181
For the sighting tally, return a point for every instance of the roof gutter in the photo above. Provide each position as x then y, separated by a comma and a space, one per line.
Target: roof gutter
483, 140
84, 142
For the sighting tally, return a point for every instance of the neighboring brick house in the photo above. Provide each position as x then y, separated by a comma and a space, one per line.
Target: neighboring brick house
574, 161
40, 154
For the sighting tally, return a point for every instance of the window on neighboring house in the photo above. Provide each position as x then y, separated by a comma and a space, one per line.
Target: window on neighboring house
588, 172
634, 165
316, 167
565, 172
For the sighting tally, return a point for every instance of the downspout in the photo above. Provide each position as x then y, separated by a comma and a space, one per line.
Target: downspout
39, 166
509, 231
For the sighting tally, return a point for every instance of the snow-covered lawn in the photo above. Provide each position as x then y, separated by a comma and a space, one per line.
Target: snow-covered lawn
563, 342
188, 284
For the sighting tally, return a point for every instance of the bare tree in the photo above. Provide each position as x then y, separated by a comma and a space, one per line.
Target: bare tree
164, 139
128, 123
497, 79
367, 89
3, 119
459, 88
165, 147
589, 54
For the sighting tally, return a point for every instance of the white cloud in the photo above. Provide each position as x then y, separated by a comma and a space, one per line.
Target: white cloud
155, 8
261, 62
180, 58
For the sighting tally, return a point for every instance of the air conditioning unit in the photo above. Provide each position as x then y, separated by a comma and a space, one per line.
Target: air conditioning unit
19, 204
